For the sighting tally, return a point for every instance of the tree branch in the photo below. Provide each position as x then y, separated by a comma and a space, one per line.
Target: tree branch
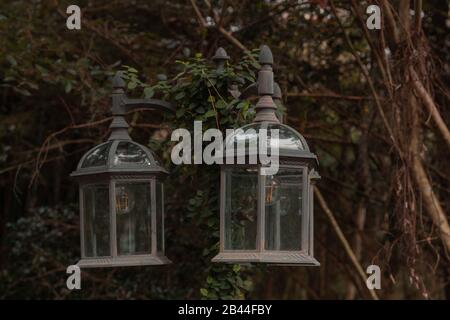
431, 106
343, 240
369, 81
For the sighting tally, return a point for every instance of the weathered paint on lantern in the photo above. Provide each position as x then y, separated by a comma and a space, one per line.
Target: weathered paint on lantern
265, 235
121, 195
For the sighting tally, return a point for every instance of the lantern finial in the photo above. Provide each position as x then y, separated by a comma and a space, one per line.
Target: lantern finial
265, 108
117, 81
265, 55
220, 58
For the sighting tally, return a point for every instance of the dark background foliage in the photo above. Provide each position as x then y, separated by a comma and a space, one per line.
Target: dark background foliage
346, 89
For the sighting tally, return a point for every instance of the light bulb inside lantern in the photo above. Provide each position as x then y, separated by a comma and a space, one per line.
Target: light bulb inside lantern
122, 201
270, 189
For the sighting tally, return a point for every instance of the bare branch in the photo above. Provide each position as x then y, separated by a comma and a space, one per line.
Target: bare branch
431, 106
343, 240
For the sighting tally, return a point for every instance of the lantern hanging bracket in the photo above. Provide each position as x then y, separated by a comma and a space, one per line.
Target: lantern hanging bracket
121, 104
265, 84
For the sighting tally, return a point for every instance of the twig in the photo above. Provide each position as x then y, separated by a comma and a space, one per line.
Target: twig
119, 46
369, 81
200, 18
418, 14
382, 63
218, 25
343, 240
431, 106
326, 95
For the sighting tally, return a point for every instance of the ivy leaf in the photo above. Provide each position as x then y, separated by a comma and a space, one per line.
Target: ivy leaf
242, 105
131, 69
186, 52
221, 104
200, 110
247, 285
149, 92
180, 95
255, 65
24, 92
210, 113
68, 87
179, 113
11, 60
132, 85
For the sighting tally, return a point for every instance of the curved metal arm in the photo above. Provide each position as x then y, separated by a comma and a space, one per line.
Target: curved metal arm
221, 57
249, 91
121, 103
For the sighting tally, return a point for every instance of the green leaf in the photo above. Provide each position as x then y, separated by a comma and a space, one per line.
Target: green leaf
242, 105
236, 268
180, 95
255, 65
247, 285
186, 52
132, 85
210, 113
68, 87
24, 92
204, 292
221, 104
212, 221
200, 110
179, 113
11, 60
149, 92
131, 69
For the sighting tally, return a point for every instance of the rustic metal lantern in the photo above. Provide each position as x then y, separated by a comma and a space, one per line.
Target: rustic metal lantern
267, 218
122, 194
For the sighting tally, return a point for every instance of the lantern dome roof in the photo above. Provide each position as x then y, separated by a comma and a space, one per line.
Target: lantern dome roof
290, 143
119, 156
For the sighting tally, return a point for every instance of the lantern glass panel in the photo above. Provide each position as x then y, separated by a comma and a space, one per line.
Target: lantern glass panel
133, 218
130, 153
98, 156
159, 216
284, 209
96, 220
241, 208
249, 135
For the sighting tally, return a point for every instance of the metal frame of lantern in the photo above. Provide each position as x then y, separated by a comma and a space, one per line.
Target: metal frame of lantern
129, 176
299, 160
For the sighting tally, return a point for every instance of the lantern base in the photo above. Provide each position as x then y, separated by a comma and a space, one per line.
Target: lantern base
276, 258
123, 261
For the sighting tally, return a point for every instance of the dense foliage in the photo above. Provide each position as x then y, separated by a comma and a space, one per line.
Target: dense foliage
351, 92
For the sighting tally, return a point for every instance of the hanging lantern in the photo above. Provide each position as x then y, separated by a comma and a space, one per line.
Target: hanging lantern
122, 195
265, 217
